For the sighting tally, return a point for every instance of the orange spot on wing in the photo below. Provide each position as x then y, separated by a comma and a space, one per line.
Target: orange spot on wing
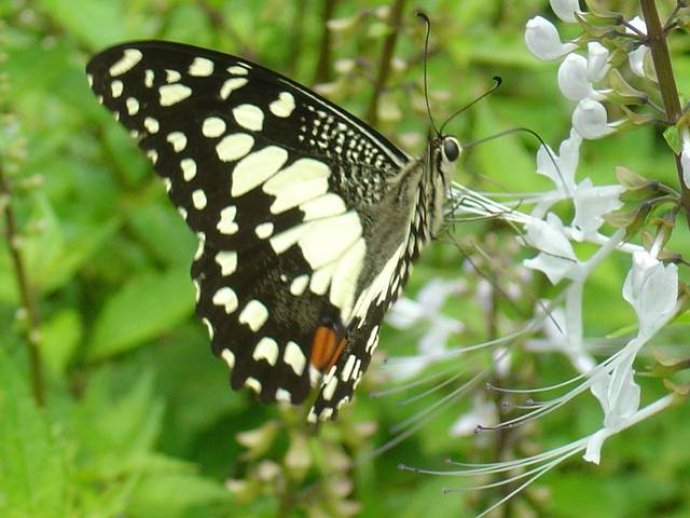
325, 349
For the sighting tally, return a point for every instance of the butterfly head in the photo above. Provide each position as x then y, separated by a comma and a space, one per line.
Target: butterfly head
443, 155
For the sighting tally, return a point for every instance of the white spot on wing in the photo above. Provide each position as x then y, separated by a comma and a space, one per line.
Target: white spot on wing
148, 78
209, 327
172, 94
116, 88
249, 116
231, 85
130, 58
202, 243
321, 279
284, 240
283, 396
199, 199
226, 224
201, 67
326, 414
344, 279
303, 180
328, 391
178, 140
229, 357
347, 368
328, 239
234, 147
378, 288
253, 384
373, 339
266, 349
172, 76
151, 125
227, 262
188, 166
329, 204
298, 285
283, 106
213, 127
264, 230
295, 358
256, 168
132, 106
254, 315
238, 70
226, 298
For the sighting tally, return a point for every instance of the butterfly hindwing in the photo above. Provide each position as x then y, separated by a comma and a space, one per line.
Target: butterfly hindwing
278, 184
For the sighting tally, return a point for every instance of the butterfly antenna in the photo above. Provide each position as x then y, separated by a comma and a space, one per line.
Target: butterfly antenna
427, 22
497, 82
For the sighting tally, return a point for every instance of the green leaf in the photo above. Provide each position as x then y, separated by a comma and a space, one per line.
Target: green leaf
672, 137
173, 494
148, 305
61, 335
33, 476
162, 231
105, 20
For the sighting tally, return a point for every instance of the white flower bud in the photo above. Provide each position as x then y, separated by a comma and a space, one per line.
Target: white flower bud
566, 9
543, 41
590, 120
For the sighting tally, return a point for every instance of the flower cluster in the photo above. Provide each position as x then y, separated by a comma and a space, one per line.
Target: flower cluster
598, 71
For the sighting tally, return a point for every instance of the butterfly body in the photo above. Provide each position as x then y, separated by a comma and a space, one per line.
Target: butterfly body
308, 220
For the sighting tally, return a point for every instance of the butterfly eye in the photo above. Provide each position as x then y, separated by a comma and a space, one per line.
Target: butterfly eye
451, 149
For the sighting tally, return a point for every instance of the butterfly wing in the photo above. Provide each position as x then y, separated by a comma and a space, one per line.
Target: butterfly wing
275, 181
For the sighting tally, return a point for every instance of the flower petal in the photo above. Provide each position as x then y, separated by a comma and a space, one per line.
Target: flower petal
590, 120
572, 78
566, 9
543, 41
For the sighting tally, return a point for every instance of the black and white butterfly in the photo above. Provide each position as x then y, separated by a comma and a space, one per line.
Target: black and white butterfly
308, 219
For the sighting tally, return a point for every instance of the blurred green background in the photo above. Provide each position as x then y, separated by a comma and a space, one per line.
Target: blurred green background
138, 419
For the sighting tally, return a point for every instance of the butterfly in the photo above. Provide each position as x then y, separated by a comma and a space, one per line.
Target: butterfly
308, 219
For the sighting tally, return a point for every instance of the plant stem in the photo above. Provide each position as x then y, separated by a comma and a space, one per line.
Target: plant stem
323, 66
32, 333
384, 67
656, 39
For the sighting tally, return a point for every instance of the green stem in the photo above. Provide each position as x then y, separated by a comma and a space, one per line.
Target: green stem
323, 66
32, 334
656, 39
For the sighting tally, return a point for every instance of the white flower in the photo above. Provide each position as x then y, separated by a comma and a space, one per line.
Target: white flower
561, 168
543, 41
637, 57
560, 337
572, 78
685, 158
590, 120
652, 290
591, 203
566, 9
556, 257
597, 61
406, 313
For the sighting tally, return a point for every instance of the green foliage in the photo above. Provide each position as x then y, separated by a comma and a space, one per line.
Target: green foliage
138, 419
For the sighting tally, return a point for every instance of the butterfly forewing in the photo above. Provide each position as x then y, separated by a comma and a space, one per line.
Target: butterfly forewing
282, 188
